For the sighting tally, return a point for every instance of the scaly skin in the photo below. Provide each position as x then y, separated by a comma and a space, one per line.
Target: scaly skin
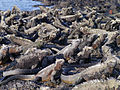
20, 71
20, 77
25, 43
69, 50
43, 75
28, 60
98, 71
19, 40
110, 84
48, 32
50, 71
33, 29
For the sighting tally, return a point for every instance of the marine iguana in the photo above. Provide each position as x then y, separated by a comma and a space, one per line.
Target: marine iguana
30, 59
69, 50
109, 84
25, 43
49, 73
18, 40
98, 71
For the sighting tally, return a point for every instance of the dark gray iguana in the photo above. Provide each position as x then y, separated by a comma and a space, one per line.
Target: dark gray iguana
98, 71
30, 59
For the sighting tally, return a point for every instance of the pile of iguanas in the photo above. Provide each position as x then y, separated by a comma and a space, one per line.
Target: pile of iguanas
40, 45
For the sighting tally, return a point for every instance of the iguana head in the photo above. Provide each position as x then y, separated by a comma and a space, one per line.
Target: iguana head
58, 64
76, 42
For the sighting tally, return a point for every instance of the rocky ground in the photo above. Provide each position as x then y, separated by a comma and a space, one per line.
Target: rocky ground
74, 45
